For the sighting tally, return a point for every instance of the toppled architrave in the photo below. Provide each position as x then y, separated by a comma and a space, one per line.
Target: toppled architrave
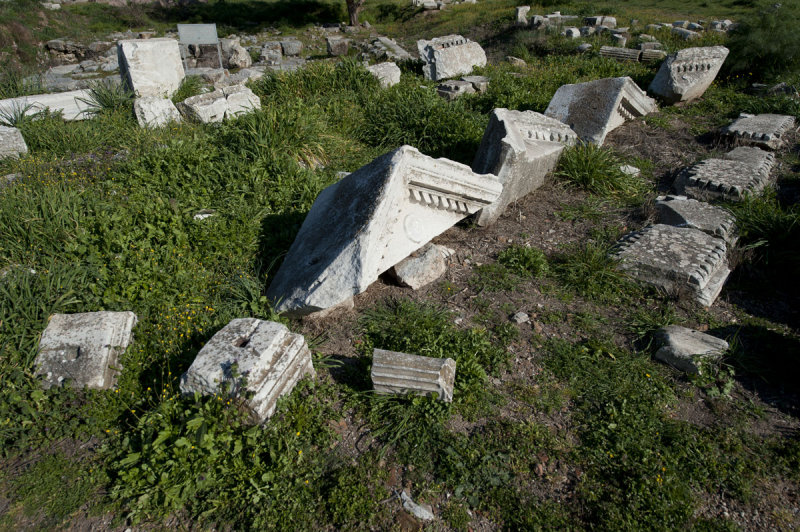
681, 211
84, 348
450, 90
765, 130
401, 373
687, 349
372, 219
685, 75
520, 148
678, 260
742, 171
449, 57
150, 67
594, 108
250, 357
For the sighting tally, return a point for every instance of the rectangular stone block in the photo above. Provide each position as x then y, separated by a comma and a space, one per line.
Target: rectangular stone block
685, 75
388, 74
520, 148
450, 90
449, 57
224, 103
150, 67
765, 131
152, 112
687, 349
84, 348
681, 211
250, 357
12, 144
594, 108
738, 174
401, 373
681, 261
72, 104
369, 221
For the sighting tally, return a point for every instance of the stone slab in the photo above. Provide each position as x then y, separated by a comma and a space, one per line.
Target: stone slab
369, 221
150, 67
449, 57
388, 73
153, 112
248, 356
400, 373
766, 130
84, 348
681, 211
12, 144
72, 104
224, 103
450, 90
594, 108
520, 148
739, 173
337, 46
682, 261
479, 83
393, 50
422, 267
686, 75
686, 349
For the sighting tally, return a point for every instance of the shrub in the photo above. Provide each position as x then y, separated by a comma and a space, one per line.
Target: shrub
767, 45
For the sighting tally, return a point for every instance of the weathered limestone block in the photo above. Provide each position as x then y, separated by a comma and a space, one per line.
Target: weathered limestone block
369, 221
686, 349
291, 47
72, 105
216, 106
250, 356
240, 100
153, 112
620, 54
681, 211
150, 67
11, 143
394, 51
595, 108
766, 130
400, 373
479, 83
571, 32
423, 267
652, 55
520, 148
271, 53
388, 74
738, 174
686, 74
450, 90
449, 57
608, 22
521, 15
686, 35
337, 46
619, 40
678, 260
84, 348
234, 55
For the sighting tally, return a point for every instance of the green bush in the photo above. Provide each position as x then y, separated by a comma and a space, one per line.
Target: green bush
767, 45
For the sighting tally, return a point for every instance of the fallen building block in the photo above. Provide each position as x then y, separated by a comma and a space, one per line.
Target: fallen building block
741, 172
388, 74
150, 67
686, 75
449, 57
401, 373
224, 103
422, 267
153, 112
252, 359
73, 105
765, 130
687, 349
12, 144
620, 54
681, 211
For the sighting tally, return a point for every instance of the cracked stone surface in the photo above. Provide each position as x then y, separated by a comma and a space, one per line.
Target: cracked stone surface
681, 211
150, 67
765, 130
686, 349
742, 171
449, 57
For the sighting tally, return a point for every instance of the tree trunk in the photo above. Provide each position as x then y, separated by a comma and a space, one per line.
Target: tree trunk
353, 7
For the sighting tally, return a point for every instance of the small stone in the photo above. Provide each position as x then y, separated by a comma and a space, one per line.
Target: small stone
619, 40
203, 214
686, 349
585, 47
630, 170
516, 61
422, 512
423, 267
520, 317
401, 373
479, 83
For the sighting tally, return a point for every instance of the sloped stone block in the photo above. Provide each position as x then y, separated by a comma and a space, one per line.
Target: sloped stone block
150, 67
765, 131
450, 90
595, 108
686, 349
388, 74
423, 267
679, 260
449, 57
152, 112
72, 104
520, 148
369, 221
401, 373
250, 356
743, 171
685, 75
84, 348
11, 143
681, 211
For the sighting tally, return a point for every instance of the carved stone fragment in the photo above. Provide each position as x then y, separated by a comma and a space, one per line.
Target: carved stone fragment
400, 373
765, 131
685, 75
250, 357
372, 219
742, 171
449, 57
681, 211
423, 267
620, 54
686, 349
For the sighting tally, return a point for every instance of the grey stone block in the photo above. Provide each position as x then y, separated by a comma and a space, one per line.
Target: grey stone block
765, 130
686, 74
337, 46
738, 174
153, 112
151, 67
401, 373
681, 211
423, 267
686, 349
291, 47
12, 144
479, 83
449, 57
388, 74
450, 90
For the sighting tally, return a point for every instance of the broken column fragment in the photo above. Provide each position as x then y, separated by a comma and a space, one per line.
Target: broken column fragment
594, 108
150, 67
401, 373
449, 57
685, 75
681, 211
620, 53
765, 130
681, 261
84, 348
250, 356
742, 171
372, 219
687, 349
520, 148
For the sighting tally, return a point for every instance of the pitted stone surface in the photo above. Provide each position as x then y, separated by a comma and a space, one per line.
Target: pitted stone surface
372, 219
225, 102
84, 348
152, 112
738, 174
449, 57
450, 90
766, 130
686, 349
679, 260
595, 108
520, 148
388, 74
681, 211
250, 356
72, 104
11, 143
401, 373
150, 67
423, 267
685, 75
